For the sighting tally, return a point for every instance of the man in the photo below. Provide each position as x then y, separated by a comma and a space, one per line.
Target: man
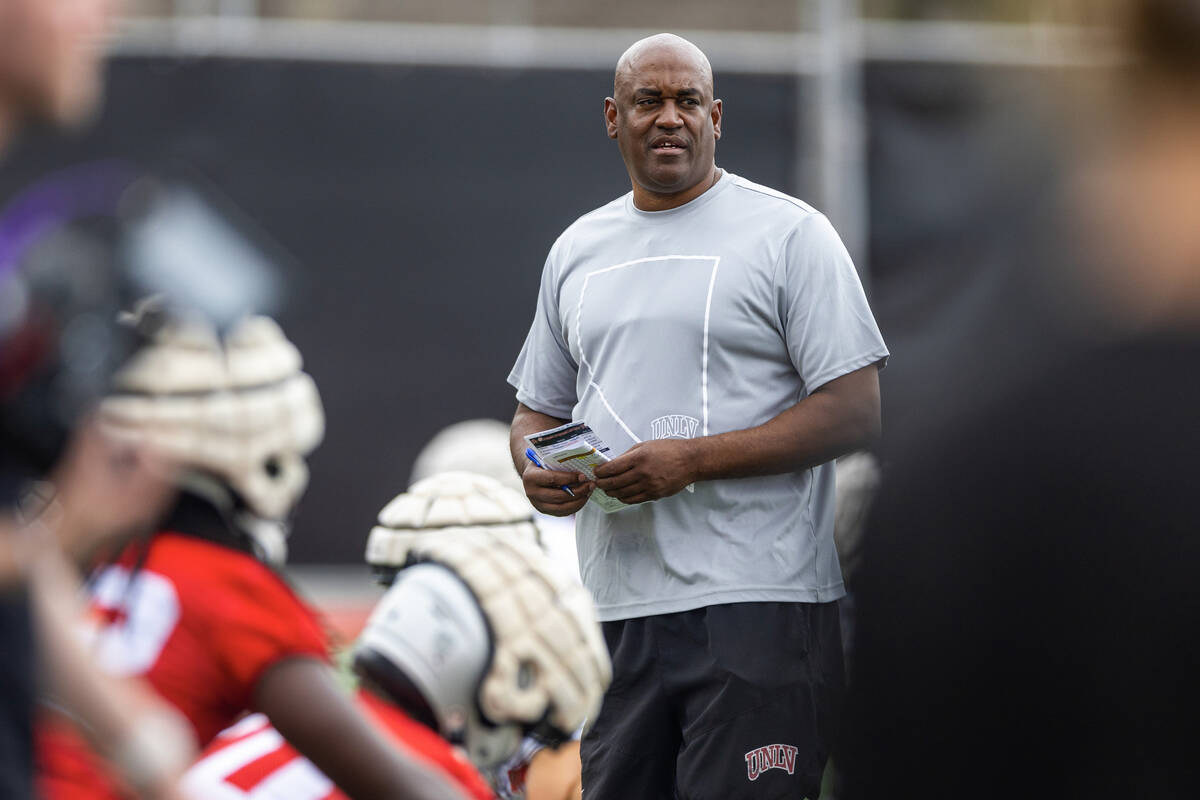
715, 331
446, 623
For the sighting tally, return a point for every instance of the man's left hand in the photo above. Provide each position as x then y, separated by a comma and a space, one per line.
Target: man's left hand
649, 471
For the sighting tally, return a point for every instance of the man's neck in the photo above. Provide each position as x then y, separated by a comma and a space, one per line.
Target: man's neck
646, 200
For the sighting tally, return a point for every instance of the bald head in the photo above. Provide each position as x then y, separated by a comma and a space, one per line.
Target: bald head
665, 120
656, 51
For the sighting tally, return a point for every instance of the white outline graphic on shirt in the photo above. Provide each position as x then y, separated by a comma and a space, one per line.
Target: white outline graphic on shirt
704, 352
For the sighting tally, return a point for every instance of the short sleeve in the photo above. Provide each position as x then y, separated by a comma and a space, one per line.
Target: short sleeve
262, 622
545, 373
827, 324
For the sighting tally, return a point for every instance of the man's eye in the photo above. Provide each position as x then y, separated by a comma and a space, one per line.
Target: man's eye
646, 101
690, 101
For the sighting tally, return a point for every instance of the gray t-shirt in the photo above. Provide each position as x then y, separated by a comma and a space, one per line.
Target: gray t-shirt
711, 317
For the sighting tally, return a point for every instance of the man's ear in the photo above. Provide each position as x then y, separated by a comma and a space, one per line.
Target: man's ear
610, 117
717, 111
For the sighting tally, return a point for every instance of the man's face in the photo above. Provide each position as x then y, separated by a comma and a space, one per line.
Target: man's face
50, 57
665, 119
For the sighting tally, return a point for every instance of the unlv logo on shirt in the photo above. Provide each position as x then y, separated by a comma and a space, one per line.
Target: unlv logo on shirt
674, 426
773, 756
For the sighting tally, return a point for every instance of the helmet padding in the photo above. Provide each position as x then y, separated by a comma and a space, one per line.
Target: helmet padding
239, 409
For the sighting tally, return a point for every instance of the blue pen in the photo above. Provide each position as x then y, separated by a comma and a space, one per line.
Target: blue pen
532, 456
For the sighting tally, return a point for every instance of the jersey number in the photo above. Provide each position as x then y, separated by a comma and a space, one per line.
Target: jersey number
140, 611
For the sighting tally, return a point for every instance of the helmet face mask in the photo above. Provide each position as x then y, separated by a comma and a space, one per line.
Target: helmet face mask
268, 537
429, 633
487, 745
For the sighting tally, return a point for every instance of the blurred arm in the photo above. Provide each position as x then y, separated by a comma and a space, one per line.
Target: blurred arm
101, 493
15, 554
146, 739
304, 703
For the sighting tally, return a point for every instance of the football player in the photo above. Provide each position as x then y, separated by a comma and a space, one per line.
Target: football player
481, 640
481, 446
197, 608
534, 771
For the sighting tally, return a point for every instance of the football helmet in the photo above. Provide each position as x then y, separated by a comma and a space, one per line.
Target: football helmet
237, 408
449, 502
546, 665
473, 445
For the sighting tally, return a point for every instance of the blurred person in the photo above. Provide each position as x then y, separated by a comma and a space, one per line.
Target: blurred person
144, 740
454, 501
717, 332
1027, 605
75, 247
97, 496
50, 72
429, 660
197, 608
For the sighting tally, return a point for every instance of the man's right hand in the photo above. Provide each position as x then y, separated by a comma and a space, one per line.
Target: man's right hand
544, 488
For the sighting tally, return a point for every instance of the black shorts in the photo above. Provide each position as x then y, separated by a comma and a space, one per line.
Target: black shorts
728, 701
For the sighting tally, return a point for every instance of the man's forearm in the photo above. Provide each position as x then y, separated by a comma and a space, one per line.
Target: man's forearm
841, 416
556, 493
145, 738
836, 419
525, 422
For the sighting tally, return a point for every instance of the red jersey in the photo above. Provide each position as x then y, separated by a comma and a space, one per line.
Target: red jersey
251, 760
200, 622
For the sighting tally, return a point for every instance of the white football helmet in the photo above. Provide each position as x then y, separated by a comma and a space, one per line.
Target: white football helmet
239, 410
448, 502
473, 445
482, 446
546, 666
